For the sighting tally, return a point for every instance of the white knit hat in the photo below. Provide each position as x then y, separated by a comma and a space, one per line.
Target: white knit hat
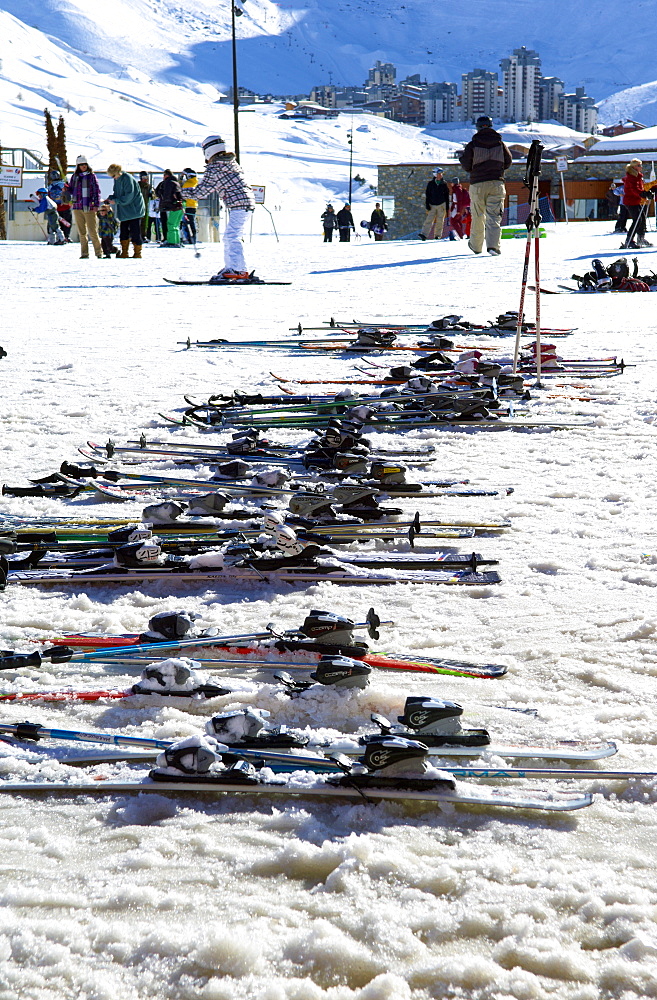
212, 145
81, 159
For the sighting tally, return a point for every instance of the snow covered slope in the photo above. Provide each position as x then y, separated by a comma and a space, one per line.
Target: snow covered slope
637, 103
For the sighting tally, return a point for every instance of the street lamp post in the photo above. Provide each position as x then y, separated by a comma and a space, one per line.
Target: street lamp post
235, 12
350, 140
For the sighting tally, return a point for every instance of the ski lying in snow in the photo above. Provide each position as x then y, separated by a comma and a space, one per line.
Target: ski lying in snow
316, 756
347, 576
319, 789
226, 284
456, 770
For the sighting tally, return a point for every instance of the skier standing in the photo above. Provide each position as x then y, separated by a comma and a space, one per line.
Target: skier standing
50, 214
486, 158
224, 175
345, 223
634, 199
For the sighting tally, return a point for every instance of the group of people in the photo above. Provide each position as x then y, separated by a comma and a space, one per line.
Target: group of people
133, 209
343, 221
629, 199
442, 204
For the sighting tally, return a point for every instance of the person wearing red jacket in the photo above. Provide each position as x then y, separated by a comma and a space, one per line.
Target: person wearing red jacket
459, 214
634, 199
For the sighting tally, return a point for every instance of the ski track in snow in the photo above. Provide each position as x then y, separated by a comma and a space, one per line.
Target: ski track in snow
245, 899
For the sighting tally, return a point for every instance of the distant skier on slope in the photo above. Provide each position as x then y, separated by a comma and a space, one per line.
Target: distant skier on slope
224, 176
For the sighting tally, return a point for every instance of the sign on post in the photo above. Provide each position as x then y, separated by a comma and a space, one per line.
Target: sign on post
11, 176
258, 193
562, 166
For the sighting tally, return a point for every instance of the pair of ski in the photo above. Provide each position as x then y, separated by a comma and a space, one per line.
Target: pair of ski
330, 571
306, 775
321, 634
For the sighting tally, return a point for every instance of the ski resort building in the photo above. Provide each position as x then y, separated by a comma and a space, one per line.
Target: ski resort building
521, 76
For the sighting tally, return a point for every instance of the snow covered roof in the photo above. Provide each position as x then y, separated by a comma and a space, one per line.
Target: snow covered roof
644, 138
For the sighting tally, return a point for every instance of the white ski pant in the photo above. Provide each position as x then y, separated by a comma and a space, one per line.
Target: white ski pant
234, 239
487, 207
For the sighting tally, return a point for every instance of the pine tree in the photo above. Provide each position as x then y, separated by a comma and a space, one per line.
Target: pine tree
61, 147
51, 142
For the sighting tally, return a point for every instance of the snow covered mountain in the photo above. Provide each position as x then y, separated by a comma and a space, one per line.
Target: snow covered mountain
288, 47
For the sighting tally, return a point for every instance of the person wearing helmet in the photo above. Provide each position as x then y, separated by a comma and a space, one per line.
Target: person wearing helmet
459, 215
49, 208
436, 202
486, 158
85, 192
225, 177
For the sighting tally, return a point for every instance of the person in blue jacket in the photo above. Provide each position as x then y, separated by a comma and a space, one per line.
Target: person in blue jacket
51, 215
129, 209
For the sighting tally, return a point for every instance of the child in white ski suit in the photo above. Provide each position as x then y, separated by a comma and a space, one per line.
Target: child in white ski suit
224, 176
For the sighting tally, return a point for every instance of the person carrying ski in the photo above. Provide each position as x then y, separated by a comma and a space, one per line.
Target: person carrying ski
635, 200
345, 223
459, 213
378, 222
50, 214
436, 202
486, 158
224, 176
85, 192
329, 222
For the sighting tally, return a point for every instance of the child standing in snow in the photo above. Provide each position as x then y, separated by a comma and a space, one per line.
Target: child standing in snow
51, 215
224, 176
107, 227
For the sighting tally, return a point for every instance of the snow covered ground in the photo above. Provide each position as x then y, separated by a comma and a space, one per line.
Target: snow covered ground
245, 899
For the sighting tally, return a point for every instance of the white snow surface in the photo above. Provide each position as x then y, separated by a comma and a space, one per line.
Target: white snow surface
240, 898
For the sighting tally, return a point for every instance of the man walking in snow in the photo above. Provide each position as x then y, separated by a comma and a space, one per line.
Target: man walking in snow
436, 202
486, 158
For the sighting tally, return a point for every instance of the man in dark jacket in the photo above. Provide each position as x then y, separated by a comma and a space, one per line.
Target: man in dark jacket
486, 158
436, 202
345, 223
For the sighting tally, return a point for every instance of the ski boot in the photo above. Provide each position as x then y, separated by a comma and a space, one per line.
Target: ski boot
392, 762
336, 671
434, 721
